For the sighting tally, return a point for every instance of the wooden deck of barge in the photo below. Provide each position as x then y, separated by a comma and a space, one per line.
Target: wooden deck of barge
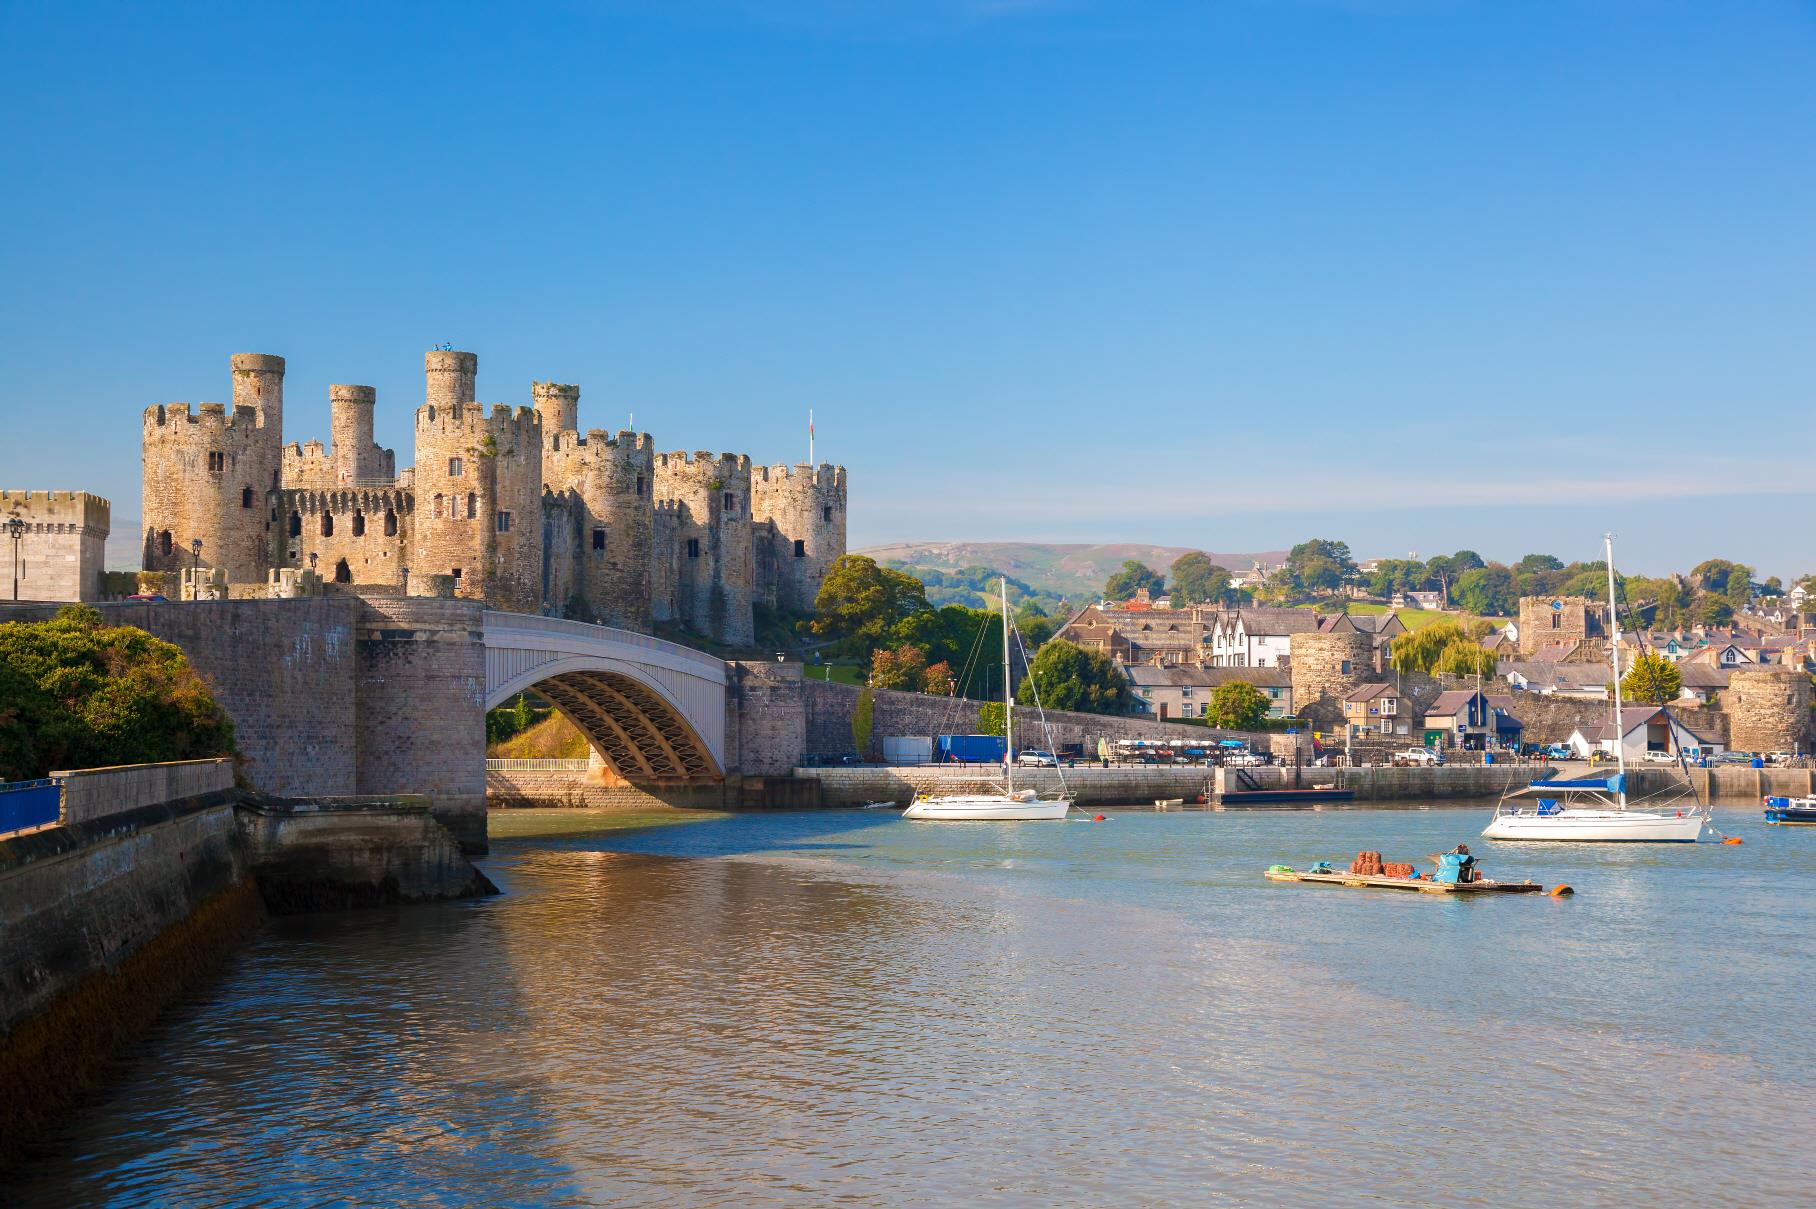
1423, 885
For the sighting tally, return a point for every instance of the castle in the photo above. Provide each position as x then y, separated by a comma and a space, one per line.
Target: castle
514, 506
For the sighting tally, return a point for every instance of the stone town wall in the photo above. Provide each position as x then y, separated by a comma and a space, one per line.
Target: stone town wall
829, 708
1768, 709
62, 551
768, 704
282, 669
1542, 625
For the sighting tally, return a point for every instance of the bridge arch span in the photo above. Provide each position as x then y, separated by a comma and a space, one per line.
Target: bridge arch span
654, 709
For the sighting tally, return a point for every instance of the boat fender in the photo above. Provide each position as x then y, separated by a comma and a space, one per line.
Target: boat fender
1733, 839
1097, 818
1561, 892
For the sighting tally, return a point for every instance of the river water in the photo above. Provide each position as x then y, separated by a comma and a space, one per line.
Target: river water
803, 1008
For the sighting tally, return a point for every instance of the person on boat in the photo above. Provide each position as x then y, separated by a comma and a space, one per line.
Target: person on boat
1457, 865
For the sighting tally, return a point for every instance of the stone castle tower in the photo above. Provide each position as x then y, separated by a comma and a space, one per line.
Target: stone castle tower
1768, 709
1327, 667
515, 506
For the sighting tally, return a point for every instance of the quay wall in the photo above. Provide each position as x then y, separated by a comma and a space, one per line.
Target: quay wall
92, 794
1088, 786
513, 790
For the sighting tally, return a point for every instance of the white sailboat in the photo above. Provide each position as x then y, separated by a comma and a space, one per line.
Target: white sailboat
1010, 806
1595, 809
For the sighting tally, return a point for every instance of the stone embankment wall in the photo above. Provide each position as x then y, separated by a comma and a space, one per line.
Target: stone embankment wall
586, 791
1088, 786
107, 917
91, 794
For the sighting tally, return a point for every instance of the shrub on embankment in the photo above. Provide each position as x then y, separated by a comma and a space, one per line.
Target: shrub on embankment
78, 693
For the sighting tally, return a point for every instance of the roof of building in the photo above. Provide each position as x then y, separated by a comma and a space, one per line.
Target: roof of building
1277, 621
1371, 692
1150, 676
1450, 701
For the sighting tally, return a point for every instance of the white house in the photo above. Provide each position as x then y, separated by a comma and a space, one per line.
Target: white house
1648, 728
1258, 637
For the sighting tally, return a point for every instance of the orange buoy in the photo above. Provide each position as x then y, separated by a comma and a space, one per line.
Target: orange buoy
1561, 892
1733, 839
1097, 818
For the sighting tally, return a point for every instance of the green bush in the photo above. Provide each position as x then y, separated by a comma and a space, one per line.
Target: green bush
76, 693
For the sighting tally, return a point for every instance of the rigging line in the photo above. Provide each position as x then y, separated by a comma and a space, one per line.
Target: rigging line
1046, 728
1671, 721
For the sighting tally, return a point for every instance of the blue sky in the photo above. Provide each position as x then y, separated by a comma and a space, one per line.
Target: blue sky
1416, 274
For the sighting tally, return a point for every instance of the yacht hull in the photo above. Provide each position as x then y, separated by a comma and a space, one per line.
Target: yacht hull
984, 808
1597, 827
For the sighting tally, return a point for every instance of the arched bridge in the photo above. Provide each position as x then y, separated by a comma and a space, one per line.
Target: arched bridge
654, 709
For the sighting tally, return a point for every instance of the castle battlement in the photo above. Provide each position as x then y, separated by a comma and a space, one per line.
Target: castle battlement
58, 508
521, 508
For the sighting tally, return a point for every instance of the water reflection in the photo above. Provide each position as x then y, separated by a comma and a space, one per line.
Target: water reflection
778, 1009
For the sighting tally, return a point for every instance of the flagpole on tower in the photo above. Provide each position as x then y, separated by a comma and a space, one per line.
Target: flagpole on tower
810, 436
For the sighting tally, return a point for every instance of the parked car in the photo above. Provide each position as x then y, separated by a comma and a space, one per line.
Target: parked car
151, 598
1421, 756
1243, 759
1557, 751
1731, 759
1039, 759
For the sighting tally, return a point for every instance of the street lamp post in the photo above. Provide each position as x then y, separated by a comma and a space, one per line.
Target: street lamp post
195, 568
15, 529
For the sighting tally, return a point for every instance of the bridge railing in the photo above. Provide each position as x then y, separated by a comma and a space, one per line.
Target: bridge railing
538, 765
582, 629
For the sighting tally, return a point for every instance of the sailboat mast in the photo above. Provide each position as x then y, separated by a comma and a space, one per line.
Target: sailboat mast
1614, 661
1008, 697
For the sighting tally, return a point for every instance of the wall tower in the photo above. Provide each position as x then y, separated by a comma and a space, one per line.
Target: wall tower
711, 554
800, 512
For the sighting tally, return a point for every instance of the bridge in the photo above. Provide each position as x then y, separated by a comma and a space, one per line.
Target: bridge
654, 709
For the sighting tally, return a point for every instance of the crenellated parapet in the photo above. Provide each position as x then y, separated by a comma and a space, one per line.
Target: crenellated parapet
517, 506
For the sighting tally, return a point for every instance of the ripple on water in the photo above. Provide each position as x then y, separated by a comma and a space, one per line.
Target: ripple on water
775, 1009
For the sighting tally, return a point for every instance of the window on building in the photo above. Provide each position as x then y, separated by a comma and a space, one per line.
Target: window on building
599, 539
164, 543
455, 468
731, 503
296, 524
456, 572
343, 574
826, 513
800, 548
359, 524
327, 524
1387, 727
217, 461
639, 485
504, 522
245, 497
437, 512
1345, 666
1557, 621
693, 547
472, 505
390, 523
1390, 705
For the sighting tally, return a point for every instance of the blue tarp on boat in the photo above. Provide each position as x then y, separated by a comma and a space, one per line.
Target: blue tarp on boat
1612, 785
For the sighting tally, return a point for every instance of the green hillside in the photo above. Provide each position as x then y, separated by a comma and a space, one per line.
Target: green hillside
1076, 572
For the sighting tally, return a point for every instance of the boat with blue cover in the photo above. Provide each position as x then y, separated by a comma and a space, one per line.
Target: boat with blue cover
1791, 812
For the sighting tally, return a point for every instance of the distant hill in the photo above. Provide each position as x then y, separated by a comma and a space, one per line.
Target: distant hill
1076, 572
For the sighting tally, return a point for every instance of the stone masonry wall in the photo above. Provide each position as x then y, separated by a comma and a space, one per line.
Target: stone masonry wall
1325, 668
1768, 709
63, 550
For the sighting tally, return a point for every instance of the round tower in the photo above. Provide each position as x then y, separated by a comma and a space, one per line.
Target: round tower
450, 377
258, 383
614, 478
1768, 709
559, 406
1327, 667
714, 572
803, 508
357, 457
478, 511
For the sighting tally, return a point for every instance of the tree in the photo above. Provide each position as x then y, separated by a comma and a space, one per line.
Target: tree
1320, 565
1534, 564
1236, 705
1393, 575
1465, 658
903, 668
1712, 610
1066, 676
1712, 574
992, 719
1034, 624
1196, 579
859, 601
1652, 680
1133, 577
863, 716
937, 679
1486, 591
77, 693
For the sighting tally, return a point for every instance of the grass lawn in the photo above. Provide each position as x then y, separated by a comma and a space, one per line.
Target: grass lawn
838, 673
